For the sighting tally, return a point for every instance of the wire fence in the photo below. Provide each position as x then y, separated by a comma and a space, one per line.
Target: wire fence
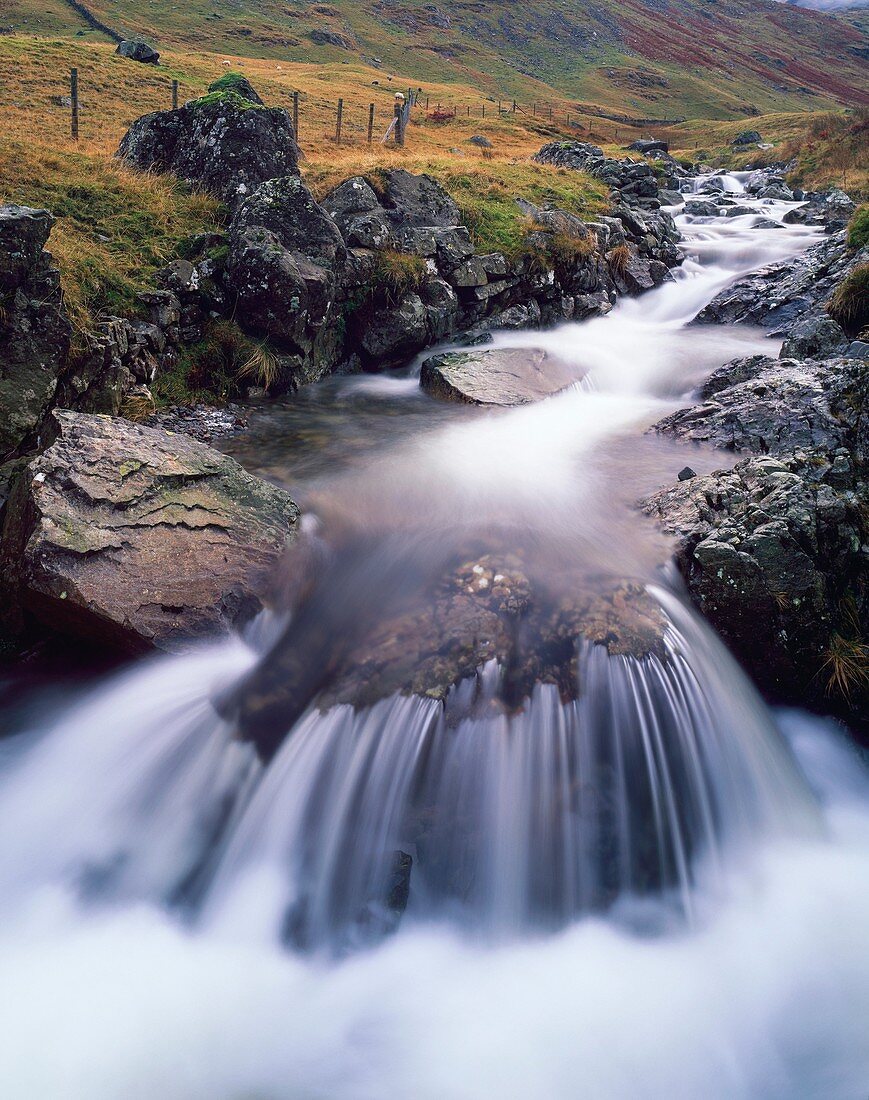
350, 120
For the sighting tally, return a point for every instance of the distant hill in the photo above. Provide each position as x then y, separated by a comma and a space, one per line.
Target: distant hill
658, 59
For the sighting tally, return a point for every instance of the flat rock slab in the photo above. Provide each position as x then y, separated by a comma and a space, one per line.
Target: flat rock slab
496, 376
139, 538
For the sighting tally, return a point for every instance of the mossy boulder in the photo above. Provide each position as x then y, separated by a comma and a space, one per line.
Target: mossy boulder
139, 538
225, 142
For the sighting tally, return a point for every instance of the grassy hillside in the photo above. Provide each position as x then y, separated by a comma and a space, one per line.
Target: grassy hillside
638, 58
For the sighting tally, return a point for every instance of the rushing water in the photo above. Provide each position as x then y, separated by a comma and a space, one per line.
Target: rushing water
657, 889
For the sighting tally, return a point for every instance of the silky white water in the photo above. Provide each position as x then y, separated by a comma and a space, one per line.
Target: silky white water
658, 889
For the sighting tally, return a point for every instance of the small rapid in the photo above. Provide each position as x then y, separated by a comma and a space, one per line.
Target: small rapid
653, 886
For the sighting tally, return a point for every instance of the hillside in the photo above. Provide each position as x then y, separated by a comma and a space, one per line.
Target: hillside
656, 59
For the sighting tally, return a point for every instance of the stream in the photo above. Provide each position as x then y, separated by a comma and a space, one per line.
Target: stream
659, 888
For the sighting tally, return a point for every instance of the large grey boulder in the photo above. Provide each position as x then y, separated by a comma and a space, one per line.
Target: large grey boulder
496, 376
140, 538
772, 406
417, 200
34, 329
138, 51
222, 142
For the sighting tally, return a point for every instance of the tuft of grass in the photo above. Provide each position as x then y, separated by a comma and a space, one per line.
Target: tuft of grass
846, 667
218, 368
858, 228
261, 367
618, 259
849, 304
397, 274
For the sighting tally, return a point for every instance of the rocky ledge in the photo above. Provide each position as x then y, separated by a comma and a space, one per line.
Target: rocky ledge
138, 538
774, 551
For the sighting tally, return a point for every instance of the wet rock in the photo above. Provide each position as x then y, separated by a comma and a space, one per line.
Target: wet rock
285, 266
34, 329
392, 336
222, 142
701, 208
779, 407
138, 51
814, 338
774, 551
786, 291
426, 631
496, 376
670, 198
140, 538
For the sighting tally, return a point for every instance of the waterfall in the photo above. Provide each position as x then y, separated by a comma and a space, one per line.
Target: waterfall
649, 886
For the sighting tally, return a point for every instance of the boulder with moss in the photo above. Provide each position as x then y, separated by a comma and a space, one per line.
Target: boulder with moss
225, 142
138, 538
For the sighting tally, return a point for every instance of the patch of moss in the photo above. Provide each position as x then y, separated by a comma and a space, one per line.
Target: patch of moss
229, 99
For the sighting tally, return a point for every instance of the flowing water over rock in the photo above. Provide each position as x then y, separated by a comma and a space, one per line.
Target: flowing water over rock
585, 860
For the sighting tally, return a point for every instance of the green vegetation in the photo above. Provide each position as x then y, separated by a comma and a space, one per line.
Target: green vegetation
230, 98
486, 195
222, 365
849, 304
115, 228
396, 274
858, 228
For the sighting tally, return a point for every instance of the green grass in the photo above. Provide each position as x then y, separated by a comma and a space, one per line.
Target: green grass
486, 197
849, 304
858, 228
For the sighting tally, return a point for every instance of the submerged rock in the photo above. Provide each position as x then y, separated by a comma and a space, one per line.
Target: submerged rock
496, 376
139, 538
223, 142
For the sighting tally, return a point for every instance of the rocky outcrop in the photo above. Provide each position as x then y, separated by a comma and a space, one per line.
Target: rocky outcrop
496, 376
769, 406
138, 538
34, 329
223, 142
635, 181
288, 266
775, 551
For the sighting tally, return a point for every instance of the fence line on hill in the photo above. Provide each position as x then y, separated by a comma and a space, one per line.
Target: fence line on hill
356, 123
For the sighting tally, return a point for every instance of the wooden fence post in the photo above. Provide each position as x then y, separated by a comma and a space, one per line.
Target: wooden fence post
399, 121
339, 121
370, 122
174, 95
73, 96
296, 114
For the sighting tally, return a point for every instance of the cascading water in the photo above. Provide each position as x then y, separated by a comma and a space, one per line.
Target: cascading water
651, 888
